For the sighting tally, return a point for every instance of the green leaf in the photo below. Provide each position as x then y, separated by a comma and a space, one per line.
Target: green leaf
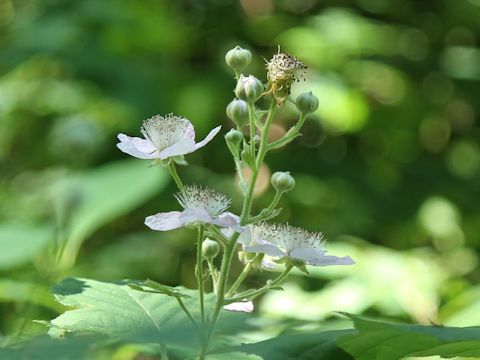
119, 311
104, 194
377, 340
318, 346
19, 244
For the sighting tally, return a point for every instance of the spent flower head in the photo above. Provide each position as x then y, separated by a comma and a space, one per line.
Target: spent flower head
164, 137
284, 241
201, 205
282, 71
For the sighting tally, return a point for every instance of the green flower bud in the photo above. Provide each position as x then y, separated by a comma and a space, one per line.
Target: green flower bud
238, 58
282, 181
249, 88
307, 103
210, 248
237, 110
234, 137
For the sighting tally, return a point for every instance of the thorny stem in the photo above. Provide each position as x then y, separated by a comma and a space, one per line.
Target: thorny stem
213, 274
222, 281
251, 117
292, 134
247, 204
251, 294
173, 171
240, 279
200, 274
163, 351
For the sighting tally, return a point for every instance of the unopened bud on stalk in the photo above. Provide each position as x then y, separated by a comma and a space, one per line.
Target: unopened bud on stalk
234, 137
249, 88
307, 103
282, 181
238, 58
237, 111
210, 249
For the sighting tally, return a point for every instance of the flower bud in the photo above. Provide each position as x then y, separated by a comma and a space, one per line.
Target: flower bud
234, 137
307, 103
249, 88
238, 58
237, 110
282, 181
210, 248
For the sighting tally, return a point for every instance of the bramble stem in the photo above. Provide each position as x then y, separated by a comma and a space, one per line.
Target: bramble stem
213, 274
247, 205
251, 118
251, 294
222, 281
173, 171
240, 279
292, 133
200, 275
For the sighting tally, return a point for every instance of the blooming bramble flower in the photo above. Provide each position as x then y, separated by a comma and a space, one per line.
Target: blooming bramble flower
164, 137
282, 71
243, 306
285, 241
201, 205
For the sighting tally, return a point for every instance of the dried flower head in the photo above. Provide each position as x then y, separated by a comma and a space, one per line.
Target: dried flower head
282, 71
164, 137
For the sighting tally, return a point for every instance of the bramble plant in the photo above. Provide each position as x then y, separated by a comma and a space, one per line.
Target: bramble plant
170, 138
220, 233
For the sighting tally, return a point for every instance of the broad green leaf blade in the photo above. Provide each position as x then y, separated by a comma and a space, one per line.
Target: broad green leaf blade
20, 243
105, 193
377, 340
119, 311
318, 346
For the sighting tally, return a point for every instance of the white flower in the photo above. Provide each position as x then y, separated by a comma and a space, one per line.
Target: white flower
283, 240
243, 306
201, 205
164, 137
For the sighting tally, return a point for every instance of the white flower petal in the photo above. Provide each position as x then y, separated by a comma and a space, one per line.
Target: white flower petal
243, 306
331, 260
137, 147
307, 254
183, 147
245, 237
229, 220
190, 216
164, 221
209, 137
268, 264
267, 249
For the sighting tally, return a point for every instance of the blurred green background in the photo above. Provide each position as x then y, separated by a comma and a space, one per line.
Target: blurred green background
388, 167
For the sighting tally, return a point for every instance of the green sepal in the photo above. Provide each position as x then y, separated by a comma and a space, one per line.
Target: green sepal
248, 157
299, 264
180, 160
